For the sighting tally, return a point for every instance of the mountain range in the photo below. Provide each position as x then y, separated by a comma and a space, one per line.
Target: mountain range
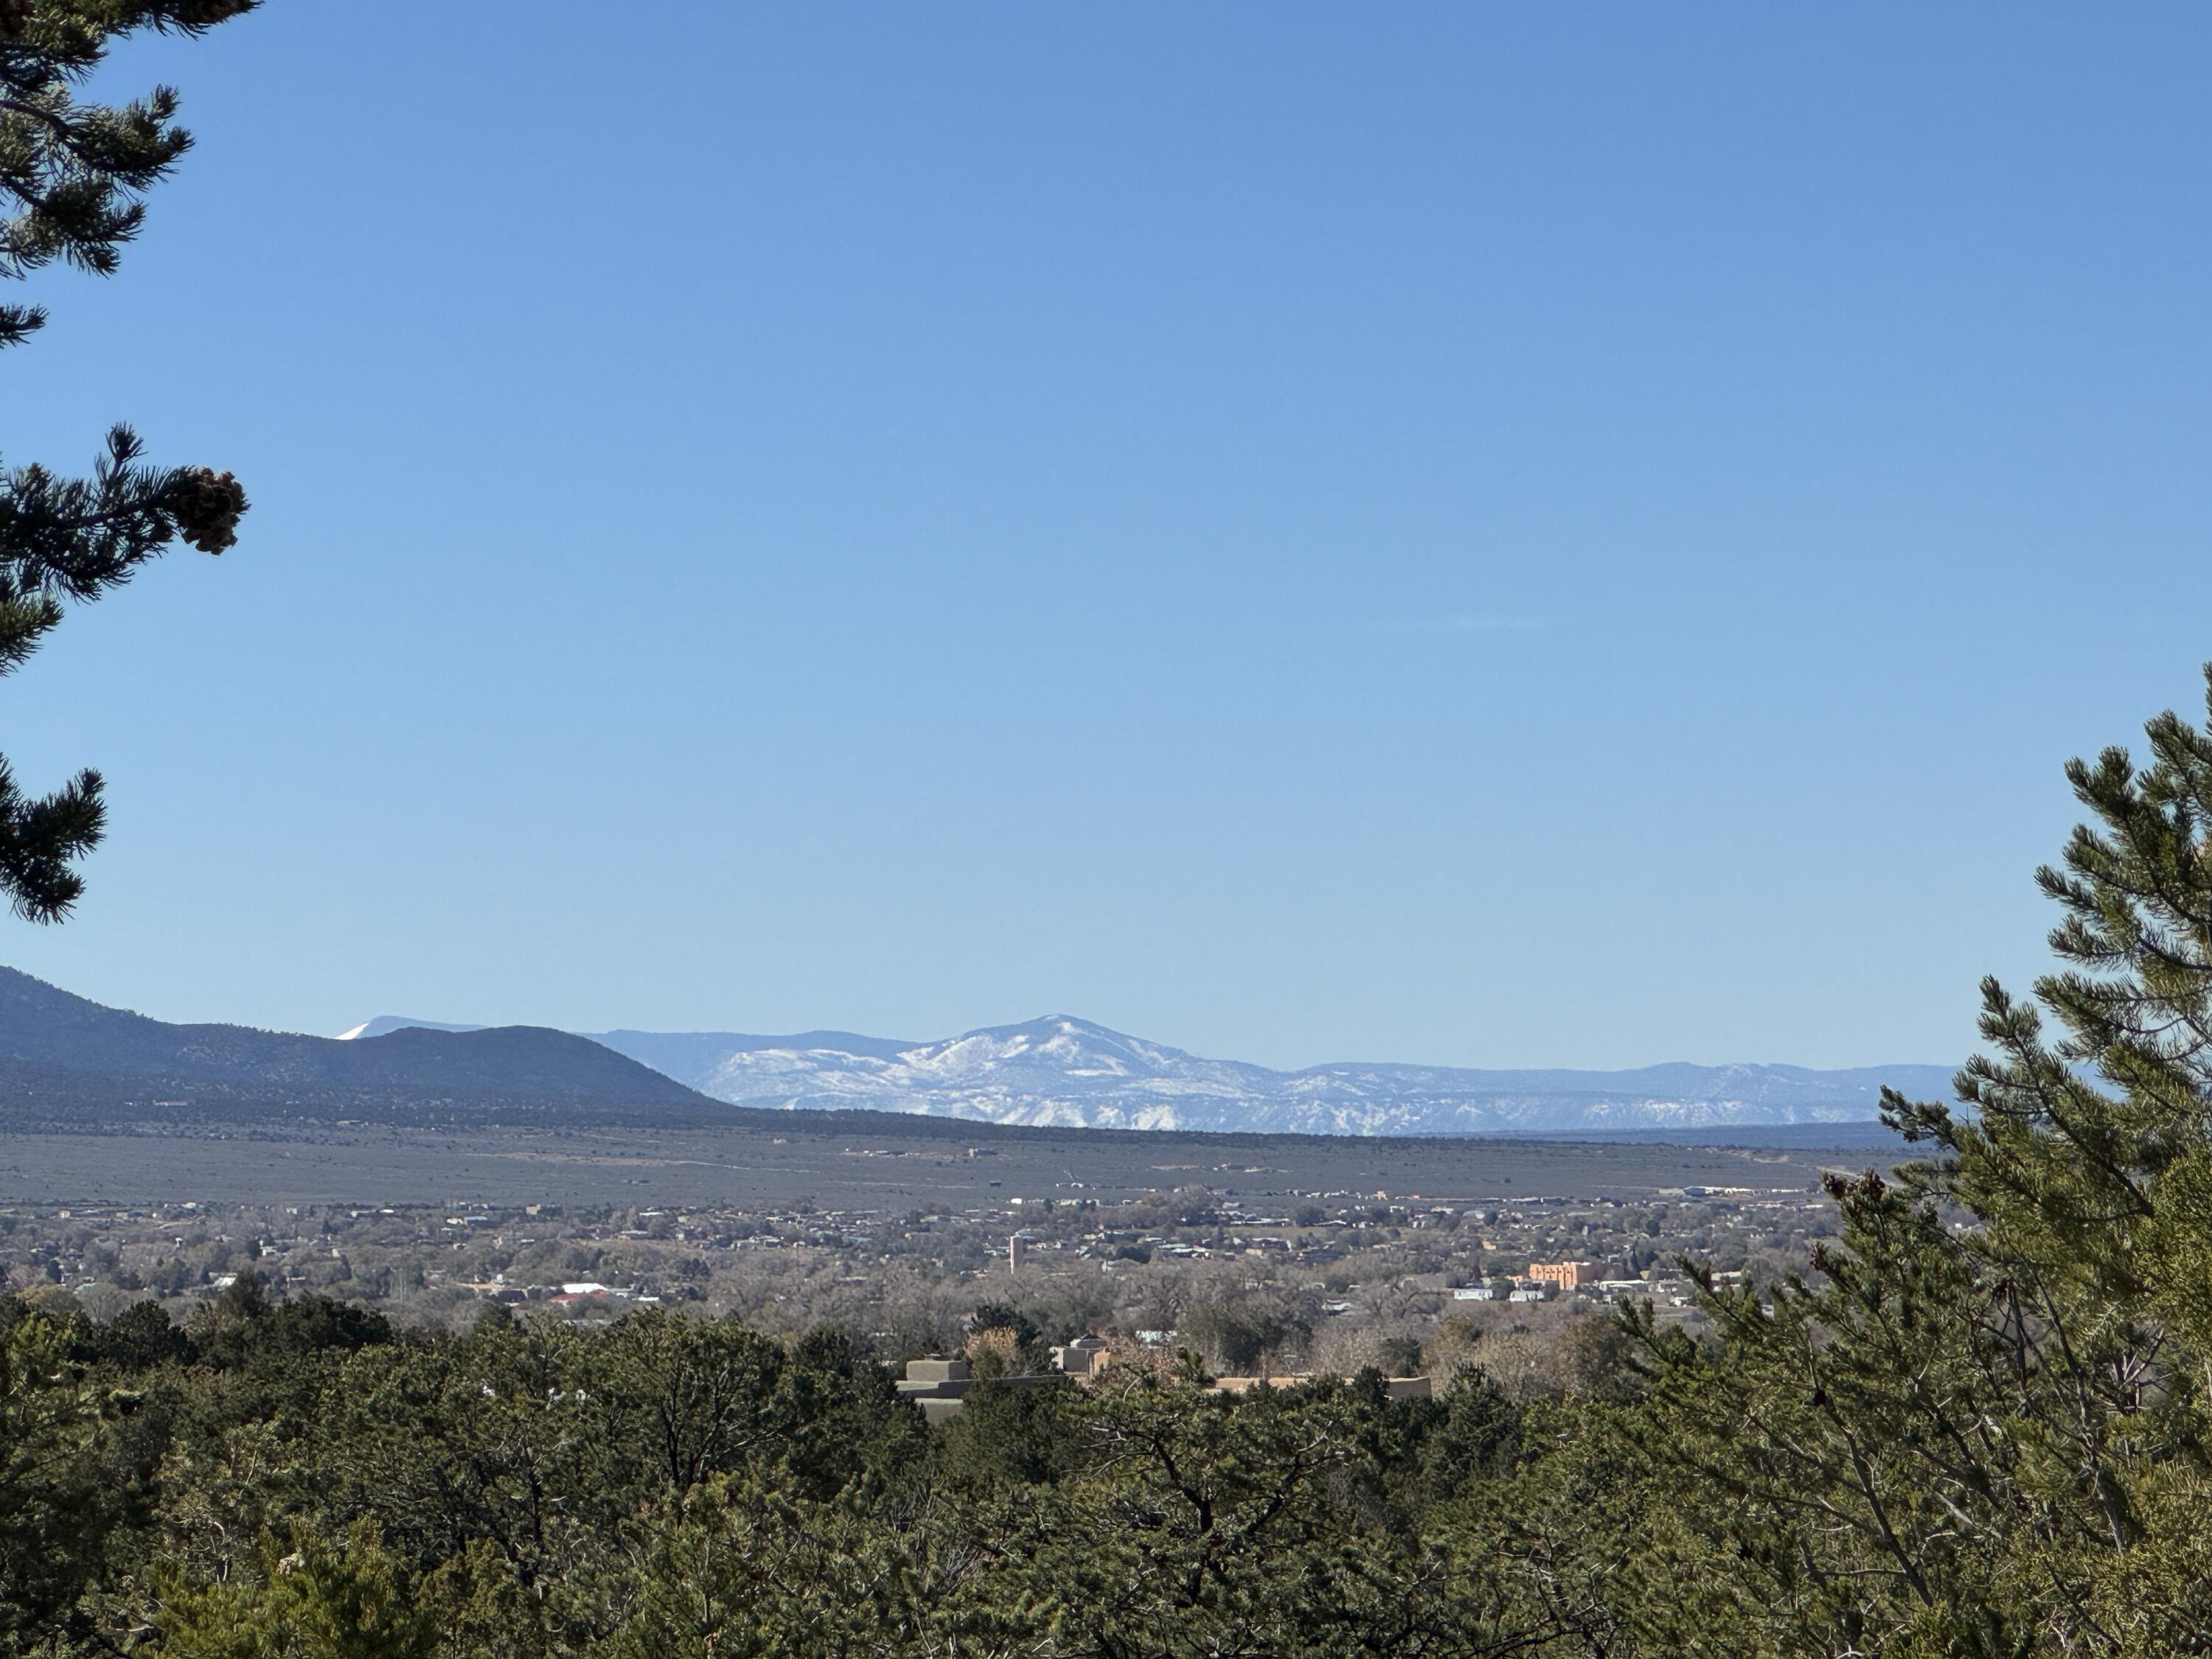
1064, 1072
1056, 1071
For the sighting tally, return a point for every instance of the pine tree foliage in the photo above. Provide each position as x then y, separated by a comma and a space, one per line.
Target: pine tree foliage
1986, 1429
72, 179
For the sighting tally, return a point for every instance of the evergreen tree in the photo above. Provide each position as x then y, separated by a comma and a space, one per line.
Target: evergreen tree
1987, 1432
319, 1599
72, 176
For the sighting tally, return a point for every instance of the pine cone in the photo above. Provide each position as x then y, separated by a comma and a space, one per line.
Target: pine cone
14, 15
207, 506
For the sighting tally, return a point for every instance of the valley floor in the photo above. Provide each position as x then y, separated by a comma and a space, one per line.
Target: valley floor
322, 1165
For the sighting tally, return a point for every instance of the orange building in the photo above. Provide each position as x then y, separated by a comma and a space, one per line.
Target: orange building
1564, 1274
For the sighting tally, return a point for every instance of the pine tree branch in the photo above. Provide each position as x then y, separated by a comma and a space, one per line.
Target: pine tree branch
73, 173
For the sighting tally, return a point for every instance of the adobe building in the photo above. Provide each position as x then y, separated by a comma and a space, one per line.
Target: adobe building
938, 1385
1564, 1274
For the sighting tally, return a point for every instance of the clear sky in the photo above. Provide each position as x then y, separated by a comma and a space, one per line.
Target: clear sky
1496, 535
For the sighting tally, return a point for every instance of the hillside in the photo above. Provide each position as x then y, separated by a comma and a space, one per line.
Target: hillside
50, 1038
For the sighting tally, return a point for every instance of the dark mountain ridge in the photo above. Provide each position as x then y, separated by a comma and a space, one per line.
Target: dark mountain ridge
49, 1033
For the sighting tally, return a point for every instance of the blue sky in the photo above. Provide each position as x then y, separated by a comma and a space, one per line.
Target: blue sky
1493, 535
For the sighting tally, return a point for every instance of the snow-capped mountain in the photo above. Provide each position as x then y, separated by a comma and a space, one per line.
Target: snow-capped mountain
385, 1025
1052, 1071
1068, 1072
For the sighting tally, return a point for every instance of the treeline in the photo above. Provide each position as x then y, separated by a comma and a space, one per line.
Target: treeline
1914, 1458
297, 1478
